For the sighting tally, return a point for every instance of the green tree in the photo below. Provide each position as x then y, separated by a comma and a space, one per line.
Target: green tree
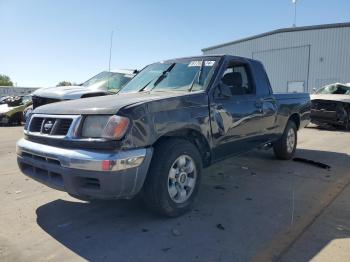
64, 83
5, 81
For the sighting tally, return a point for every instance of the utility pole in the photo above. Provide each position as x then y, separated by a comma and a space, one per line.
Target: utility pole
110, 58
295, 12
110, 52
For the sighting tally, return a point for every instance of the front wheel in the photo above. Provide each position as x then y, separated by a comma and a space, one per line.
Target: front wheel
285, 147
173, 179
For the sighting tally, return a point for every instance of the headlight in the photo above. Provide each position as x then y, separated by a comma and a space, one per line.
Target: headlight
110, 127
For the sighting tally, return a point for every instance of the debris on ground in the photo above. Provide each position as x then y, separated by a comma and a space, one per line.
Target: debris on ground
312, 162
244, 167
220, 226
175, 232
18, 191
219, 187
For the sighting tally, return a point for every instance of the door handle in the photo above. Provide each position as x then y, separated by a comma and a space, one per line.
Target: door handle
259, 104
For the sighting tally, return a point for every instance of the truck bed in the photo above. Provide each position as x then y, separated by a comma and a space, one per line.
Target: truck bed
286, 96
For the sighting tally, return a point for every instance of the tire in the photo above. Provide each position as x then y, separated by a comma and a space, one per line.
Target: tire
169, 175
346, 125
282, 147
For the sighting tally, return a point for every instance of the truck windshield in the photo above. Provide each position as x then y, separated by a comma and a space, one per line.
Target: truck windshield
334, 89
179, 75
112, 81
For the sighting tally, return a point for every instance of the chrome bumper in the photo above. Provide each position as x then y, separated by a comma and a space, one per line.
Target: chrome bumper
85, 173
83, 159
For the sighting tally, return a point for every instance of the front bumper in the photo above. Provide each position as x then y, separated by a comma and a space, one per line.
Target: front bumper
326, 117
85, 173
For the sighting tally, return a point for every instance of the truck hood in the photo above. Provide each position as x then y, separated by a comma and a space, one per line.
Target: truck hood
102, 104
331, 97
65, 92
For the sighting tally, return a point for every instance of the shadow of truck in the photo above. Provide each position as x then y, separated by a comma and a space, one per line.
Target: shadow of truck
261, 203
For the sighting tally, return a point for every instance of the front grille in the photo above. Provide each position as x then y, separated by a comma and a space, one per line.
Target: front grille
40, 101
50, 125
323, 105
35, 124
63, 127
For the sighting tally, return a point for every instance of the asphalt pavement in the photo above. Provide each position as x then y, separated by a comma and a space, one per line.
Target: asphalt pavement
250, 208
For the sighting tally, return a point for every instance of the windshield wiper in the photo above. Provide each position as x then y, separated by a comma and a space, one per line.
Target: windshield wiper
197, 77
163, 75
159, 78
144, 87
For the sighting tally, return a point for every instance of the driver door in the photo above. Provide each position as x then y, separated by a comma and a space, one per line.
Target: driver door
234, 112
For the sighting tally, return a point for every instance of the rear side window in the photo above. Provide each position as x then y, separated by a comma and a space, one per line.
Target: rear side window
238, 78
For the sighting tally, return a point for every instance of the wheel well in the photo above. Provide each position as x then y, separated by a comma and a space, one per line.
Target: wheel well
296, 119
195, 138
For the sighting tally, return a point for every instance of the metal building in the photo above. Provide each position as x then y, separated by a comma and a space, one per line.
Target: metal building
297, 59
16, 90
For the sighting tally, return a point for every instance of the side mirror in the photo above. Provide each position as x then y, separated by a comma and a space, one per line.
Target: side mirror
224, 90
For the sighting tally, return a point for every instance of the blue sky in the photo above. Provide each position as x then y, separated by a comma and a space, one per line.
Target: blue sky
44, 42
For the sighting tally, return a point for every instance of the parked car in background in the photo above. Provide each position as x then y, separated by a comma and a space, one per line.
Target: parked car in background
11, 109
154, 137
104, 83
2, 99
330, 105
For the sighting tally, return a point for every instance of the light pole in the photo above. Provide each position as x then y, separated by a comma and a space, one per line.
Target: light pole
110, 52
110, 58
295, 12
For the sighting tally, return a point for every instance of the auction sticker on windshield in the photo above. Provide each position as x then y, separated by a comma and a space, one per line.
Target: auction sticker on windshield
199, 63
209, 63
195, 63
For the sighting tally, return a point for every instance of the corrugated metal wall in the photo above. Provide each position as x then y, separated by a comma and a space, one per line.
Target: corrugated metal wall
315, 57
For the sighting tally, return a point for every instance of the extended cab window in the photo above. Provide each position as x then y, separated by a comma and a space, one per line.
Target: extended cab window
238, 79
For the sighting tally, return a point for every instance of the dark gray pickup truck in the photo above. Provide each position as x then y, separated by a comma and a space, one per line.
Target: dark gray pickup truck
153, 138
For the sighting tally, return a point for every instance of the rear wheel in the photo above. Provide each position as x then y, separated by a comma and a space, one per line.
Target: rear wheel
346, 124
285, 147
173, 179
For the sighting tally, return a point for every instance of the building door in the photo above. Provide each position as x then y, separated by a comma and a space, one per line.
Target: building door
286, 65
